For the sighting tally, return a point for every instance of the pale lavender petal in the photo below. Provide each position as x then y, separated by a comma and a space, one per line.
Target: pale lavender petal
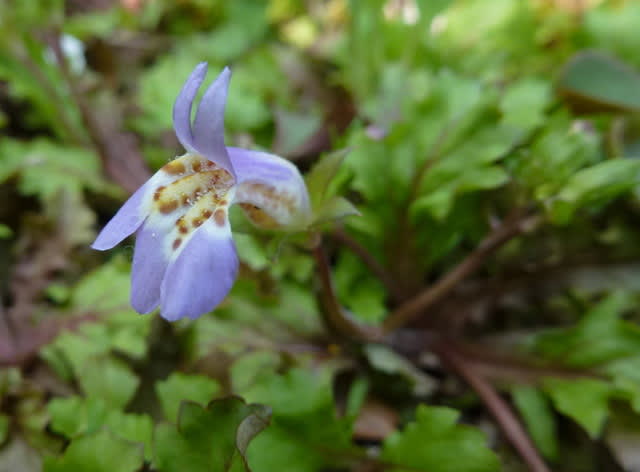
208, 128
262, 166
183, 104
131, 215
149, 267
273, 185
125, 222
202, 275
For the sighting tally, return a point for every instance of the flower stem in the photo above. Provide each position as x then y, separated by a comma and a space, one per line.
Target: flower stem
499, 408
335, 318
413, 308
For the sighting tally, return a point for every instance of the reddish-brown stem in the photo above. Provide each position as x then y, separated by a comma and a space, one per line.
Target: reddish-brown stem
499, 408
334, 316
367, 258
414, 307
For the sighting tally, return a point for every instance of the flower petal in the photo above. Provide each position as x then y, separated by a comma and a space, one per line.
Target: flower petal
273, 185
131, 215
202, 274
208, 128
183, 104
149, 266
125, 222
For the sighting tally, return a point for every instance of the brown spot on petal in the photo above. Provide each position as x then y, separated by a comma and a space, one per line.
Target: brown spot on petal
182, 227
158, 193
168, 207
197, 166
197, 222
220, 217
174, 168
176, 243
206, 214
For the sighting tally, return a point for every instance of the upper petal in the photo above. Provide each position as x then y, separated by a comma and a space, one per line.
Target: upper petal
183, 104
202, 274
271, 187
208, 128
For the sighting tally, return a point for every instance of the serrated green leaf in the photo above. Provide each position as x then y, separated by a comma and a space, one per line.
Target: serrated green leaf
294, 393
137, 428
524, 102
335, 208
46, 168
303, 409
75, 417
276, 449
179, 387
98, 452
212, 439
109, 379
599, 337
536, 411
320, 176
72, 416
427, 445
595, 185
583, 400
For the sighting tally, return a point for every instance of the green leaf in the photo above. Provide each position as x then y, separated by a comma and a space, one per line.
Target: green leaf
595, 185
277, 449
599, 337
212, 439
137, 428
554, 156
73, 416
95, 24
524, 102
304, 412
583, 400
434, 442
322, 173
625, 373
179, 387
105, 289
46, 168
98, 452
5, 231
389, 362
536, 411
361, 293
295, 393
335, 208
109, 379
596, 82
4, 428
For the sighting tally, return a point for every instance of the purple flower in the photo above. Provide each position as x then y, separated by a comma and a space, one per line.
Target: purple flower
185, 259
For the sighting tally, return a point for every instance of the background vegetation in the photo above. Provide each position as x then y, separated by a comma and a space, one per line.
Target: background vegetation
480, 314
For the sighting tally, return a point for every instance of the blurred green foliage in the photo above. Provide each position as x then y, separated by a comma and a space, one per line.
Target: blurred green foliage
423, 128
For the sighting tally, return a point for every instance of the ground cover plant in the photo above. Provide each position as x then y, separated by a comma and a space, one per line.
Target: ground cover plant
454, 287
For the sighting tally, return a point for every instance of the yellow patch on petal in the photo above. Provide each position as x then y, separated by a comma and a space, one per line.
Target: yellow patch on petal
201, 190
